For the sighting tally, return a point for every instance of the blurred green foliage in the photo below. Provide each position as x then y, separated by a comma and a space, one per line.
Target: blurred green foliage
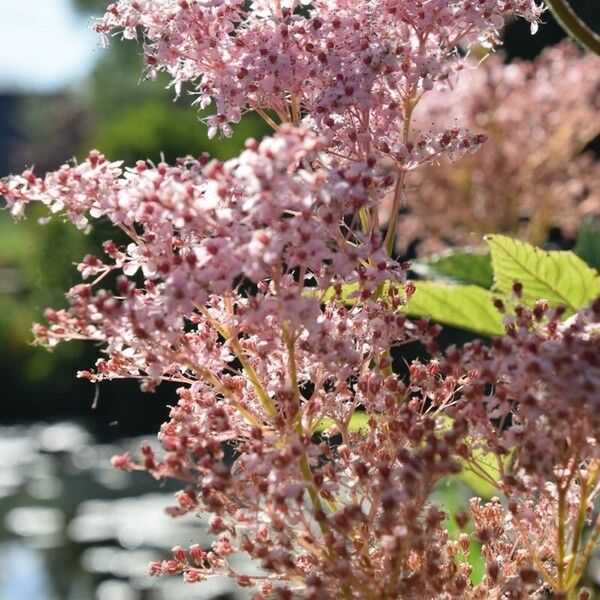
92, 6
36, 263
587, 245
127, 118
133, 118
154, 130
453, 496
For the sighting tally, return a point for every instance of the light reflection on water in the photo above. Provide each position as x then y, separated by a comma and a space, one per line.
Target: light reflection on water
73, 528
23, 573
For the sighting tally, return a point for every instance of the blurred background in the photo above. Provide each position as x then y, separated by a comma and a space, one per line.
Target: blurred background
71, 528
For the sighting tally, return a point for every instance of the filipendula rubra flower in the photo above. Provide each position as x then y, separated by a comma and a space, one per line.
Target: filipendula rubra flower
265, 288
236, 259
531, 174
352, 70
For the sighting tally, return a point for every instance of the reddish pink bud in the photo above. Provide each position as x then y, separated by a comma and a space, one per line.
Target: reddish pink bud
178, 553
122, 462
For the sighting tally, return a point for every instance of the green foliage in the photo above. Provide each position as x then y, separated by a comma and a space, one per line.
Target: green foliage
34, 270
453, 496
117, 83
138, 119
156, 129
560, 277
459, 266
87, 6
468, 307
587, 245
358, 421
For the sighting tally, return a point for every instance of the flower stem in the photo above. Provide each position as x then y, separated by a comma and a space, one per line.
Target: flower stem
390, 235
574, 26
585, 556
578, 529
234, 343
560, 541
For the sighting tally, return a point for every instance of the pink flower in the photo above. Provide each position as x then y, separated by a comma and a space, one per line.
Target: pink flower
312, 66
264, 287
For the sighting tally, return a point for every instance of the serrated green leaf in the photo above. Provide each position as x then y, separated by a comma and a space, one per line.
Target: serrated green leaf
587, 246
460, 266
560, 277
467, 307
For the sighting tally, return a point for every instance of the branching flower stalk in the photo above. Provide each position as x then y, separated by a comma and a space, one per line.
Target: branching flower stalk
265, 286
574, 26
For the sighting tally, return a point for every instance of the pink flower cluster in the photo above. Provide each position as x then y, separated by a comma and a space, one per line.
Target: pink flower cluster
531, 174
529, 402
237, 258
351, 70
264, 287
200, 228
540, 389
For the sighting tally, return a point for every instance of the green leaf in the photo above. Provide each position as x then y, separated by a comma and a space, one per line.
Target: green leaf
561, 278
359, 420
587, 246
347, 295
481, 469
487, 463
467, 307
460, 266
